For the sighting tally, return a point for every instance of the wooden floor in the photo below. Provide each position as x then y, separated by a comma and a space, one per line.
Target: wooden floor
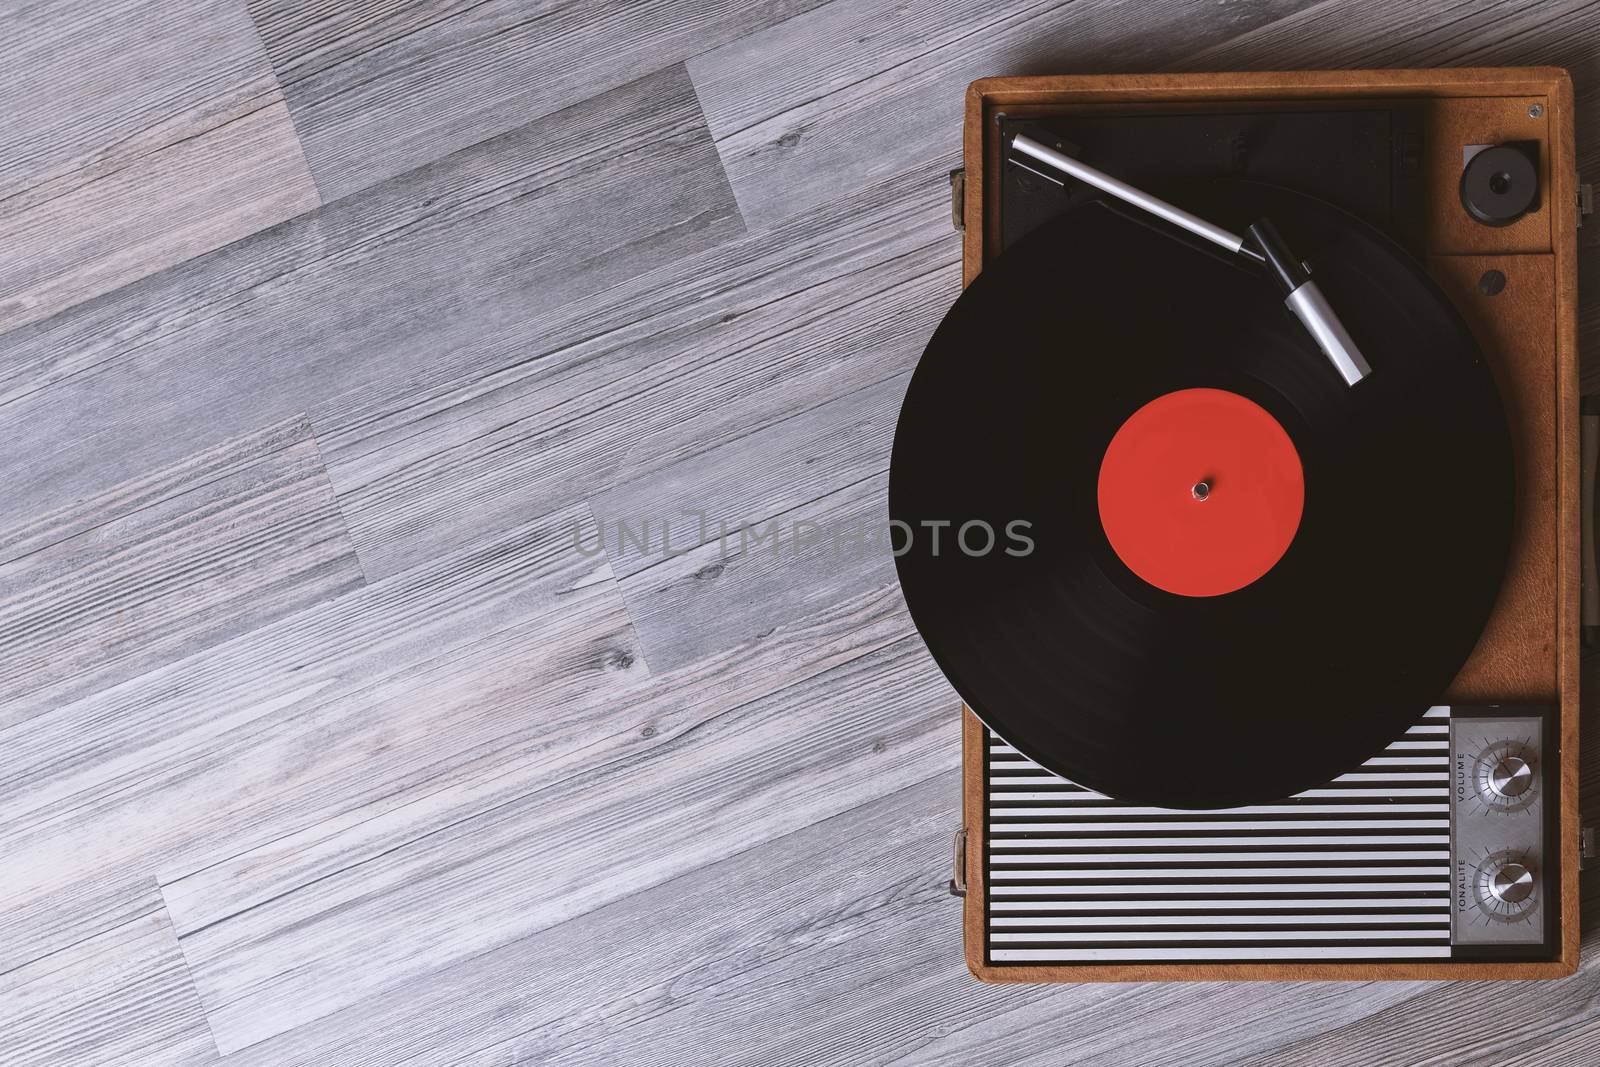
325, 331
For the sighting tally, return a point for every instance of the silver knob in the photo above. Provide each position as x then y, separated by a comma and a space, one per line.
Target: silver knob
1511, 883
1510, 777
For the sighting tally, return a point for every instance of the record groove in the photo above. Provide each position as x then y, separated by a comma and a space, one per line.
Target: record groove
1201, 701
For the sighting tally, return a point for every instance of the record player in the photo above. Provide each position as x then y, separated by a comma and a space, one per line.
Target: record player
1331, 733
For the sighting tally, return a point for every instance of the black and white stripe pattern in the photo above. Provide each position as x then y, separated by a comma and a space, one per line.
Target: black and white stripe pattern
1357, 870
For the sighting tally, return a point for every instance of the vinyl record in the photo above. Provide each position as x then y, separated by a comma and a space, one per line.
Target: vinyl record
1085, 388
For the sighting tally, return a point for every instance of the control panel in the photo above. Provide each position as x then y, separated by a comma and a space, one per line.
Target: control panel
1502, 776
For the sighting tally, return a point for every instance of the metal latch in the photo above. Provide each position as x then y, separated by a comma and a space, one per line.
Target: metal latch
1587, 850
958, 199
1585, 201
958, 884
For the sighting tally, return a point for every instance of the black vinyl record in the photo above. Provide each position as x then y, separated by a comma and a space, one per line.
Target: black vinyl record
1200, 701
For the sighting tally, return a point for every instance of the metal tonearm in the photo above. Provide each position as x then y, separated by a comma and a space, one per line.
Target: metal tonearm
1264, 243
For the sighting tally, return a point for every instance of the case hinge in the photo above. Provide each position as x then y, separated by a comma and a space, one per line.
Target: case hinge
958, 884
1585, 201
1588, 852
958, 199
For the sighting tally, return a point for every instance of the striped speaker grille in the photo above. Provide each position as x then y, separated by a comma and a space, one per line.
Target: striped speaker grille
1357, 870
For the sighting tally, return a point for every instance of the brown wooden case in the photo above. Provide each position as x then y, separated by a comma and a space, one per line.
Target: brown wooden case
1529, 650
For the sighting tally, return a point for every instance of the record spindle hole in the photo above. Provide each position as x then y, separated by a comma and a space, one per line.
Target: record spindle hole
1200, 490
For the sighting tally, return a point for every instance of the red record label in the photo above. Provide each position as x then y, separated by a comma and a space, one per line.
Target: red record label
1201, 492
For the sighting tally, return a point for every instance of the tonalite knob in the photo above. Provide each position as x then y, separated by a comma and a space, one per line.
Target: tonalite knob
1511, 883
1510, 777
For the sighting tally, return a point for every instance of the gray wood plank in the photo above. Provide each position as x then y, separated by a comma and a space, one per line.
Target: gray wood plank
834, 944
137, 135
364, 702
169, 563
606, 985
508, 803
787, 463
1465, 1024
708, 779
853, 92
447, 265
721, 593
379, 88
120, 998
666, 365
1426, 33
560, 741
790, 518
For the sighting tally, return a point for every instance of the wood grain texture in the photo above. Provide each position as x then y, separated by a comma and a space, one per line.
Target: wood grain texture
711, 778
791, 563
561, 742
447, 265
837, 943
1465, 1024
794, 519
662, 366
505, 802
159, 567
380, 88
855, 92
357, 704
121, 998
842, 914
138, 135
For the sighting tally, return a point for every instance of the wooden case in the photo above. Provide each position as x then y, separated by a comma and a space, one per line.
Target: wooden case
1529, 650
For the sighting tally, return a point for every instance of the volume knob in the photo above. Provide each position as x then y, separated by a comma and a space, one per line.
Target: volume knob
1511, 883
1510, 777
